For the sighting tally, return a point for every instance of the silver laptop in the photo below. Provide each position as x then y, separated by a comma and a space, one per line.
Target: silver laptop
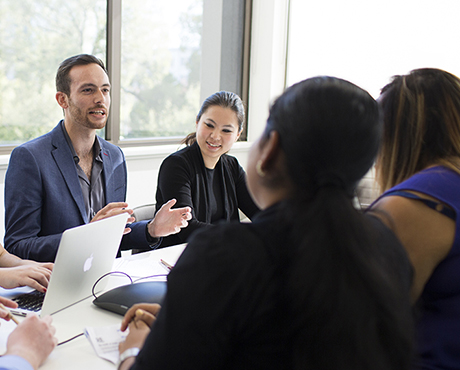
85, 254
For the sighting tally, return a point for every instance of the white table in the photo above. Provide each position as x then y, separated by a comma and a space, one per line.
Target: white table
78, 353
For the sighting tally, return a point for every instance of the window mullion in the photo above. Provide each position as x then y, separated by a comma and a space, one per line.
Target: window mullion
112, 132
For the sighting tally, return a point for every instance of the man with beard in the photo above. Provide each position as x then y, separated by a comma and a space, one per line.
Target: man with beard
70, 176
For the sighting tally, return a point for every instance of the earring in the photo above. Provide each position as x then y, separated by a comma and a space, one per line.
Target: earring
259, 169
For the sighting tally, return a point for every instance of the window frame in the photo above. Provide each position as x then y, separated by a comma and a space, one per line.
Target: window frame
231, 60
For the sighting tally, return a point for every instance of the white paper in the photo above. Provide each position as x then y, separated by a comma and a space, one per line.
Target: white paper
141, 268
105, 340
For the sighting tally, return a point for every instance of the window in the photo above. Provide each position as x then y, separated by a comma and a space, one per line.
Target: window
34, 38
155, 51
160, 67
367, 42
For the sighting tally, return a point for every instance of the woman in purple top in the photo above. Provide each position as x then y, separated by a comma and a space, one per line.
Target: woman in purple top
419, 171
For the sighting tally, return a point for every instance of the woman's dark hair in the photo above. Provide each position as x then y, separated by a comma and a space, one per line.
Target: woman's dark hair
350, 309
421, 112
224, 99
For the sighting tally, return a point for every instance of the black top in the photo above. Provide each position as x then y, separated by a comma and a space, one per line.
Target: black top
183, 176
226, 305
216, 201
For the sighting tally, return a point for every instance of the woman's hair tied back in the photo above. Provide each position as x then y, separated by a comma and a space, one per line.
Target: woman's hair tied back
329, 130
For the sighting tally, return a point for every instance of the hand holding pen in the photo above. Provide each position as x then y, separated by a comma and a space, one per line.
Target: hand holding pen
145, 312
33, 339
6, 314
139, 319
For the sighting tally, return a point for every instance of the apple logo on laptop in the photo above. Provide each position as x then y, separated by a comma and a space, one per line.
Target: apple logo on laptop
88, 263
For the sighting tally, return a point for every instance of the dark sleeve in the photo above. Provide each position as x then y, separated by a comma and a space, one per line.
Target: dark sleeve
138, 238
207, 303
175, 180
245, 202
23, 210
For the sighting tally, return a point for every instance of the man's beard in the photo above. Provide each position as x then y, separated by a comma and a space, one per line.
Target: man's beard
80, 117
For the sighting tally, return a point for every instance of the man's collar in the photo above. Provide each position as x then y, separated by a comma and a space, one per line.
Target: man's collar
96, 146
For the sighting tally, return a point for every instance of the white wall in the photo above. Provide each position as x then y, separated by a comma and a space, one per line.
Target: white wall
267, 69
267, 76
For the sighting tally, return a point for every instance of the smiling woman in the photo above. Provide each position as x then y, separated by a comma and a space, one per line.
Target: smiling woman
202, 176
216, 131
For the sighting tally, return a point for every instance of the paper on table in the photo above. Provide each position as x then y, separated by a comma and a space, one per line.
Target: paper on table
140, 268
148, 264
105, 340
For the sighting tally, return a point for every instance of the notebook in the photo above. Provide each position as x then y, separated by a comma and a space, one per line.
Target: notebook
85, 253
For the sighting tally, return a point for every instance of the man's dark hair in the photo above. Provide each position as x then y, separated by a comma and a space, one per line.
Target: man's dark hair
62, 77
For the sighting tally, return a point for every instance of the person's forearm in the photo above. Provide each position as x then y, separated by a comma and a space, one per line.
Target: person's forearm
40, 249
126, 364
9, 260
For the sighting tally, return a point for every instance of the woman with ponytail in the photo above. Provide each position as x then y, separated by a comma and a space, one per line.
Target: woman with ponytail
311, 283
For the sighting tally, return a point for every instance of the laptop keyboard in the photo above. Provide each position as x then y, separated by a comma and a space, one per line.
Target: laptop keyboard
32, 301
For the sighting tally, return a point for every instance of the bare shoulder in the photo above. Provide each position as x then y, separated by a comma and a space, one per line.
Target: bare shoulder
426, 234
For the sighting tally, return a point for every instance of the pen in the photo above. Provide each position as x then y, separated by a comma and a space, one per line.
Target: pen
10, 315
166, 264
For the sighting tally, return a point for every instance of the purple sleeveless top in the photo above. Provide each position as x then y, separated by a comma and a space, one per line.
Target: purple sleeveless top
438, 309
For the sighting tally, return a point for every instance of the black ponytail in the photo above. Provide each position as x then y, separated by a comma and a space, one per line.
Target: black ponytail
350, 307
343, 295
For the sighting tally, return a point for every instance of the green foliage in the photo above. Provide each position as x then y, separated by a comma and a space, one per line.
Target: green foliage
161, 68
34, 38
160, 63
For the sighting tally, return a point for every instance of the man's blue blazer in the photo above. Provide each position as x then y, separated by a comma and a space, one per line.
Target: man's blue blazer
43, 196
